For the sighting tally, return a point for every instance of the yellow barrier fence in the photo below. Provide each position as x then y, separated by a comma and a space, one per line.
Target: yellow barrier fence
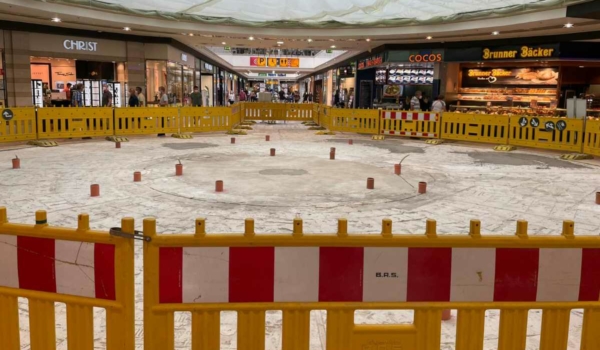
475, 127
81, 268
264, 111
18, 124
250, 274
410, 123
316, 111
325, 116
591, 143
53, 123
146, 120
207, 119
549, 133
301, 112
362, 121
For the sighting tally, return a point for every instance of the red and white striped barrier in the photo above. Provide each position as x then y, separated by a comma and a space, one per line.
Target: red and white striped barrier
57, 266
421, 116
408, 133
348, 274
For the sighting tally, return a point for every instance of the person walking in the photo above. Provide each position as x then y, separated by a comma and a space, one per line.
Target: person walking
77, 96
196, 97
415, 101
107, 97
164, 99
438, 105
67, 91
242, 95
133, 99
140, 96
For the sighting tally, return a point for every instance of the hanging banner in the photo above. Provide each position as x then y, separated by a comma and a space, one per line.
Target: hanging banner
295, 62
275, 62
272, 62
258, 61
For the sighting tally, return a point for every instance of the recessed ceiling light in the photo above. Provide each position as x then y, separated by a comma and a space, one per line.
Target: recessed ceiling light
569, 25
250, 38
495, 33
429, 37
56, 19
333, 46
126, 29
309, 40
280, 42
581, 66
223, 43
367, 39
273, 72
191, 34
331, 39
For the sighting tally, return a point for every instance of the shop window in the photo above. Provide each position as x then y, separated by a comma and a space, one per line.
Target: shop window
188, 84
156, 76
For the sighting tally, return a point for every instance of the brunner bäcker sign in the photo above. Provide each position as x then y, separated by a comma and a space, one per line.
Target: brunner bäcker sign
80, 45
520, 52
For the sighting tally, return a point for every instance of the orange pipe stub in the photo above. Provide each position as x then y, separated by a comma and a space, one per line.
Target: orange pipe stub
219, 186
370, 183
95, 190
137, 176
350, 142
16, 163
272, 152
267, 138
178, 169
233, 140
117, 144
597, 197
397, 169
422, 187
446, 314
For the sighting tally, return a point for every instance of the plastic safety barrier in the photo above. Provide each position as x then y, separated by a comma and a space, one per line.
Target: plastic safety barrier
79, 267
264, 111
549, 133
410, 123
207, 119
18, 124
475, 127
591, 144
316, 111
325, 116
53, 123
146, 120
362, 121
299, 112
250, 274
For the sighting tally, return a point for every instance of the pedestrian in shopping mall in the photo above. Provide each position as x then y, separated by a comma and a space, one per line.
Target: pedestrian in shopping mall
425, 103
107, 97
336, 98
242, 95
67, 91
196, 97
77, 96
281, 95
164, 99
438, 105
133, 99
47, 95
415, 101
140, 96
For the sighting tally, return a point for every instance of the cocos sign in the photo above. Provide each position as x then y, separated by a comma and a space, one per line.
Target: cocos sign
426, 58
80, 45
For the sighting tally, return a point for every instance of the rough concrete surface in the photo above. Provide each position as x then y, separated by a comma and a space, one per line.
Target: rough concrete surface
464, 182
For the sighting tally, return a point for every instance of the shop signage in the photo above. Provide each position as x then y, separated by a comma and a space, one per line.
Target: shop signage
275, 62
184, 57
7, 115
80, 45
227, 48
522, 52
510, 76
433, 57
262, 74
208, 67
370, 62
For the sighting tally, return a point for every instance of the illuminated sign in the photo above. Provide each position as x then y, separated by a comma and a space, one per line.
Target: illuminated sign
80, 45
370, 62
426, 58
275, 62
522, 52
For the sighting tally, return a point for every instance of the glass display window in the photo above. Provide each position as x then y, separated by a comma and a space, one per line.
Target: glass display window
156, 76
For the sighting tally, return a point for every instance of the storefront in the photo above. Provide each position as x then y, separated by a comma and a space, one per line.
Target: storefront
207, 83
346, 84
391, 78
514, 79
318, 89
172, 69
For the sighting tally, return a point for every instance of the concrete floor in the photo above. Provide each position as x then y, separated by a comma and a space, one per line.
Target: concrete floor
464, 182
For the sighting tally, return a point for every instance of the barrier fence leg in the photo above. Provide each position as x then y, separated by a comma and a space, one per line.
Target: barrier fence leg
80, 327
513, 330
42, 324
296, 330
555, 329
9, 327
429, 329
590, 337
251, 330
470, 329
340, 324
206, 330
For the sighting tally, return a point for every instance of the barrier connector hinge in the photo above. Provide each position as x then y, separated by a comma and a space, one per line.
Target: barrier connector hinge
116, 231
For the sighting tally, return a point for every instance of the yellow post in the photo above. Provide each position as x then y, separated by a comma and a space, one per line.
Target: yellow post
431, 228
555, 329
249, 228
83, 222
475, 228
9, 327
3, 215
80, 327
296, 330
522, 228
40, 218
298, 227
568, 229
386, 228
200, 227
342, 230
513, 329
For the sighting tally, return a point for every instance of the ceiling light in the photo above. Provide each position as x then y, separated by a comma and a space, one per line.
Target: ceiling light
309, 40
581, 66
223, 43
333, 46
495, 33
280, 42
367, 39
191, 34
126, 29
56, 19
331, 39
569, 25
429, 37
250, 38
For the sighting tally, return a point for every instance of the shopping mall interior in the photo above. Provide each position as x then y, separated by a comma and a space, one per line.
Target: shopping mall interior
300, 175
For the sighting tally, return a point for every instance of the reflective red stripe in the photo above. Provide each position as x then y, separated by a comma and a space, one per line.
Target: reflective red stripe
170, 270
589, 287
429, 274
251, 274
341, 274
104, 271
36, 264
516, 274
